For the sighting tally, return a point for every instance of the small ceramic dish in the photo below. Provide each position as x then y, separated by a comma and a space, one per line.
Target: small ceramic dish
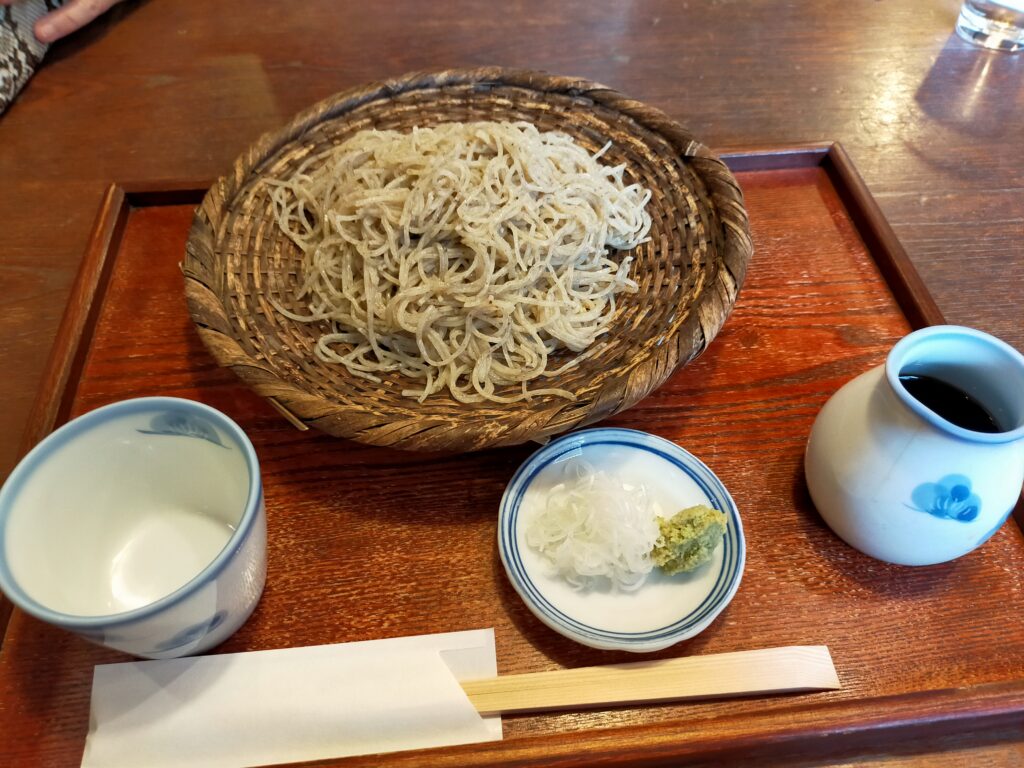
666, 609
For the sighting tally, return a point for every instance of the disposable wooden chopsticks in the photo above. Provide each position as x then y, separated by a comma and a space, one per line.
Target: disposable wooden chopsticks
743, 673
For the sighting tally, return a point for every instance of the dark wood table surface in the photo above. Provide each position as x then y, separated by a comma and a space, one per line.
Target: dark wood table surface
170, 90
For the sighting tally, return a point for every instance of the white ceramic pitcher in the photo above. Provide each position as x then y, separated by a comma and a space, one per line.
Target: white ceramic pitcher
904, 484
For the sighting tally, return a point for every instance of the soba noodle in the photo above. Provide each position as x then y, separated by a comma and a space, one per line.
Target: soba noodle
461, 256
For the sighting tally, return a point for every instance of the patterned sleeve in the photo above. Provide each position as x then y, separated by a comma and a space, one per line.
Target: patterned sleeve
20, 52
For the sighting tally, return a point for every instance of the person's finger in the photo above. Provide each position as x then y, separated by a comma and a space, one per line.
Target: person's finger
71, 16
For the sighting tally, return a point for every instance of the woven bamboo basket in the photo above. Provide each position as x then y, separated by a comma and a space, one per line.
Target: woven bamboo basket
689, 272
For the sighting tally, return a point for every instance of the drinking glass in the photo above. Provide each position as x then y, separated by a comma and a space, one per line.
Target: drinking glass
995, 24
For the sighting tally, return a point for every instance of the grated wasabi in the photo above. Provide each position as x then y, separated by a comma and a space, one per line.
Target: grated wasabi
688, 539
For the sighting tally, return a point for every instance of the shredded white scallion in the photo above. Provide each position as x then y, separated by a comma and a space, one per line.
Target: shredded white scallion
595, 526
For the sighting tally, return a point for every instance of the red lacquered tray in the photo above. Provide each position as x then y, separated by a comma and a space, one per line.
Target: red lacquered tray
368, 543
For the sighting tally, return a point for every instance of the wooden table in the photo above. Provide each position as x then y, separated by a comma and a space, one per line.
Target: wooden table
162, 91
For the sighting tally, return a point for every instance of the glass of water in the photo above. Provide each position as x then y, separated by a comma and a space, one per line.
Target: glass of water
996, 24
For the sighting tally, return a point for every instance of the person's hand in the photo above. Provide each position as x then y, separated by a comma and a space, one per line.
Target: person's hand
74, 14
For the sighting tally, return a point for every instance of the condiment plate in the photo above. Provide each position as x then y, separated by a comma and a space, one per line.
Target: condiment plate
666, 609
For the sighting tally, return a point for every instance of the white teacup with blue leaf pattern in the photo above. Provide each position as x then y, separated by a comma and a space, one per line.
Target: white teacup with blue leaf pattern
139, 526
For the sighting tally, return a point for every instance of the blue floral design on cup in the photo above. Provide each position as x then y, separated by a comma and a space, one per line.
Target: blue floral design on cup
185, 425
191, 634
951, 498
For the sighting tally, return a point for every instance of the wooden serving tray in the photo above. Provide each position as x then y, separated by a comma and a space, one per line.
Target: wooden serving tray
369, 543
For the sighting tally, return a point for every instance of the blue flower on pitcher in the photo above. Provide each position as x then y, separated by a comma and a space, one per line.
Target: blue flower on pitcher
185, 425
950, 498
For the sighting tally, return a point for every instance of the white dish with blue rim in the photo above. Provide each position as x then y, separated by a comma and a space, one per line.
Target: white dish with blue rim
666, 609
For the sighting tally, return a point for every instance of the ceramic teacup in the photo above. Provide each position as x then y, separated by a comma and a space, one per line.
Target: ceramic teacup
139, 526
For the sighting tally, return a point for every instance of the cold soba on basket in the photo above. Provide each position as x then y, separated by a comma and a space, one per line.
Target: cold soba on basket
242, 269
461, 255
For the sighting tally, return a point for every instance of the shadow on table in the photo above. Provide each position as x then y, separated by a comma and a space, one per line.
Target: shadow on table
970, 90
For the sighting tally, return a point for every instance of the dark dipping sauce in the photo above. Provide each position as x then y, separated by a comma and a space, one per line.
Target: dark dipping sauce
952, 404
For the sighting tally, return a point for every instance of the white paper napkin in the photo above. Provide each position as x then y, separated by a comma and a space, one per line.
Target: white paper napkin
245, 709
